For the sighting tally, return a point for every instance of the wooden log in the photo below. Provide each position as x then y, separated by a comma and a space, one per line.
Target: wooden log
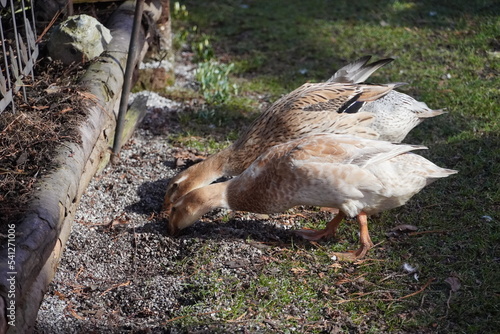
44, 229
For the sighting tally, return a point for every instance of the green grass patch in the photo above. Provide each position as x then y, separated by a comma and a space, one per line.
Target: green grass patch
448, 52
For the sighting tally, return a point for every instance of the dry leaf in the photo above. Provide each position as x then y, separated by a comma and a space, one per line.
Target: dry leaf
119, 221
298, 271
335, 266
179, 163
76, 315
59, 295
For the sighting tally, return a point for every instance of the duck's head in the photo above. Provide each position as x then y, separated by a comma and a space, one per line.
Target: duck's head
196, 176
182, 214
189, 208
178, 186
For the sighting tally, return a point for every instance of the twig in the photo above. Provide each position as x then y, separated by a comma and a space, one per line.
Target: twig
80, 270
240, 317
73, 312
347, 280
115, 286
8, 171
422, 301
362, 294
392, 276
9, 125
419, 291
51, 23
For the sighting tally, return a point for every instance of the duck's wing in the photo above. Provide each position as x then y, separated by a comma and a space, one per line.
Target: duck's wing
311, 108
336, 97
347, 169
357, 164
359, 70
346, 149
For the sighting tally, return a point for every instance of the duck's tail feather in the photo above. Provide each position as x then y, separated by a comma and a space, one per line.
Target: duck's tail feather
432, 113
358, 71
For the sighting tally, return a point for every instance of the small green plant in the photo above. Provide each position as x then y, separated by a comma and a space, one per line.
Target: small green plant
203, 50
215, 85
180, 14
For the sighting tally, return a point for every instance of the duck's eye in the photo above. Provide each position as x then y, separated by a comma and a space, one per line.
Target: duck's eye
172, 187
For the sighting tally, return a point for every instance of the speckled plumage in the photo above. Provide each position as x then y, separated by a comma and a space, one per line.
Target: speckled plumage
396, 114
358, 176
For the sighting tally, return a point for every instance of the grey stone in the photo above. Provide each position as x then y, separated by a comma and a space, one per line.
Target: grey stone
78, 39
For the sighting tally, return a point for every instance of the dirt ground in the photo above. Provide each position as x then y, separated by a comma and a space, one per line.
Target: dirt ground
118, 272
121, 273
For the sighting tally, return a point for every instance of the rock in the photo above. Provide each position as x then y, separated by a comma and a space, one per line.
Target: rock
154, 78
78, 39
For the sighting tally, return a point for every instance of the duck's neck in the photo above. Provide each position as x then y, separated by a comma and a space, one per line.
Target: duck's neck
208, 198
214, 196
211, 168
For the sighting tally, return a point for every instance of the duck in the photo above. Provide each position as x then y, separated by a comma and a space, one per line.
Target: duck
332, 107
329, 107
396, 113
359, 176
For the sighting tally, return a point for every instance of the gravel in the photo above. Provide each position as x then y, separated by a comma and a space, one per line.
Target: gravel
120, 271
114, 244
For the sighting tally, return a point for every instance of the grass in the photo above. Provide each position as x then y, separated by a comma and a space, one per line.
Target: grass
448, 52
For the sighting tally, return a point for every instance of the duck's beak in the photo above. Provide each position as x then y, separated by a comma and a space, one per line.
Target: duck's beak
166, 212
173, 230
166, 208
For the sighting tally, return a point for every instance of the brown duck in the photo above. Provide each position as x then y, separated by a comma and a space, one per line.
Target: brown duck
358, 176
